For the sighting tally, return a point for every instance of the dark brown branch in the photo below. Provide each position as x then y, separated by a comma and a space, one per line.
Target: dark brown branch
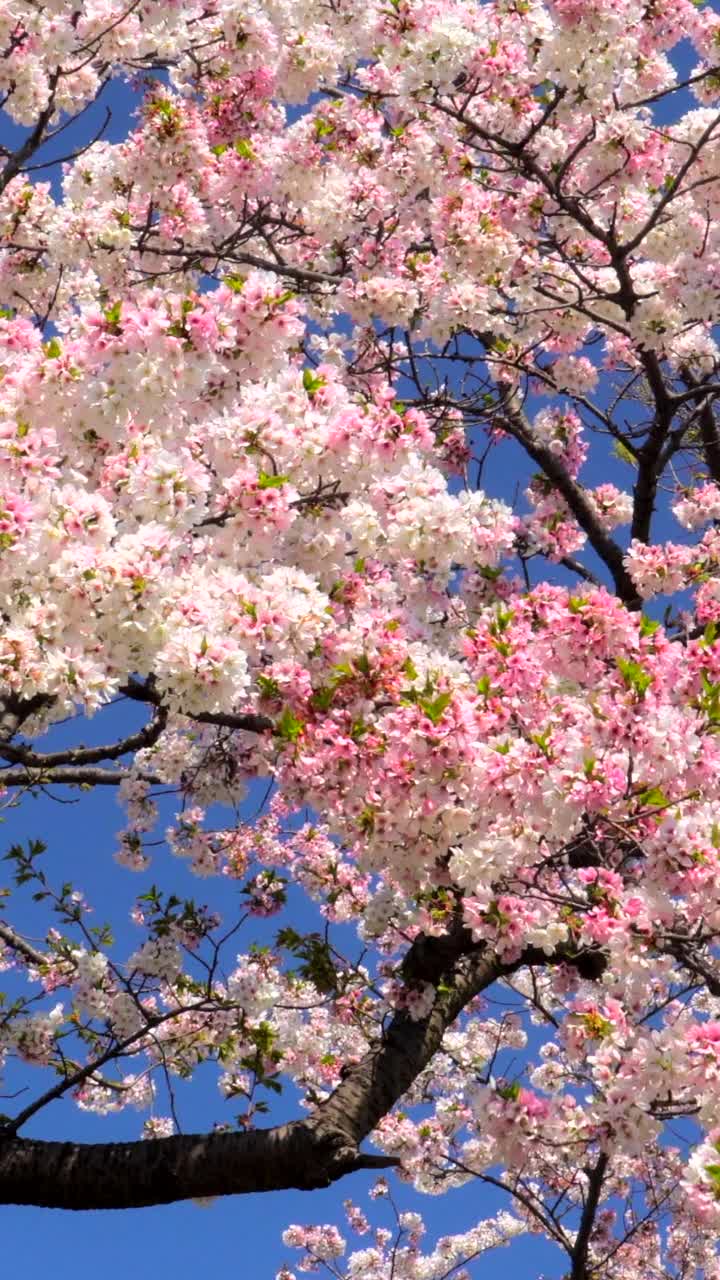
80, 151
250, 721
301, 275
677, 87
576, 566
145, 737
304, 1154
34, 139
650, 456
596, 1176
577, 500
121, 1175
672, 191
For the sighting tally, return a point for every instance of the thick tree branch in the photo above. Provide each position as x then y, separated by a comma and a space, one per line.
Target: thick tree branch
145, 737
577, 500
596, 1176
304, 1154
650, 456
72, 776
35, 138
121, 1175
250, 721
15, 942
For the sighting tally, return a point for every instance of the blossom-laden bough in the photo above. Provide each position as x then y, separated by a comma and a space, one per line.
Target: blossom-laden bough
353, 406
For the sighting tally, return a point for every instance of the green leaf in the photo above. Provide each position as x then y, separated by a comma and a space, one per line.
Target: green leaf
53, 348
648, 626
235, 283
654, 796
366, 821
434, 708
312, 382
263, 1037
344, 670
362, 664
709, 700
503, 618
622, 452
269, 688
542, 742
314, 951
322, 697
112, 317
288, 726
244, 149
267, 481
596, 1026
323, 127
634, 676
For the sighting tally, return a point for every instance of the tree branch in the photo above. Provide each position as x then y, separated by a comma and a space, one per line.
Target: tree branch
707, 422
72, 776
250, 721
579, 1254
606, 548
145, 737
23, 948
304, 1154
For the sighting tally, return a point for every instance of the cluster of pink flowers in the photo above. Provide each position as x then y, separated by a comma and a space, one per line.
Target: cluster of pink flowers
257, 359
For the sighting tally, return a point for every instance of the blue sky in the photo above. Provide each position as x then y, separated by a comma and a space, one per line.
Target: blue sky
238, 1236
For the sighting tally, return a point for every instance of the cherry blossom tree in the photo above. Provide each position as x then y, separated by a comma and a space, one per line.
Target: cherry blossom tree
353, 406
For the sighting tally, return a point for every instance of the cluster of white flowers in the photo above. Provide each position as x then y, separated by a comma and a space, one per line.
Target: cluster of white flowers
157, 958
